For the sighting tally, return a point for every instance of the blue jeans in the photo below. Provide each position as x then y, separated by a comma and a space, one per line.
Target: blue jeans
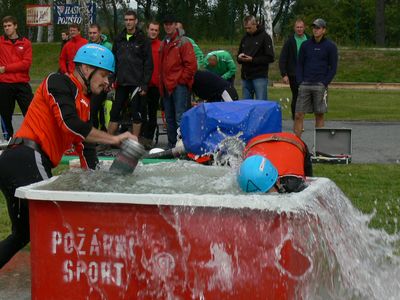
174, 106
256, 86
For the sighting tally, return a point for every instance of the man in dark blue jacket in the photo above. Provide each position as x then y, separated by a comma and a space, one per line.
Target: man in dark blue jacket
288, 60
315, 70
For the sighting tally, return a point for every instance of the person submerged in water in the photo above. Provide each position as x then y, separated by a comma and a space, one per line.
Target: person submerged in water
275, 162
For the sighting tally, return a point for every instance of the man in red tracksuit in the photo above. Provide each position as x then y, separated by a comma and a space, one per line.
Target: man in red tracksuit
66, 60
178, 65
15, 62
152, 98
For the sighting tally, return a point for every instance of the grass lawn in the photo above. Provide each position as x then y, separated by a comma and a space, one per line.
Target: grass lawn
357, 105
355, 65
370, 187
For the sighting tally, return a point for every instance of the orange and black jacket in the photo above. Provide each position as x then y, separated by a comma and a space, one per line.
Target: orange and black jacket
16, 58
58, 117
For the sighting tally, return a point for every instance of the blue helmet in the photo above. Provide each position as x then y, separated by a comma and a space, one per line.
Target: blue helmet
97, 56
256, 174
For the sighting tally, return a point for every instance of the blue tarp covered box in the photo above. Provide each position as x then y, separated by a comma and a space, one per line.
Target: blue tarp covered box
204, 126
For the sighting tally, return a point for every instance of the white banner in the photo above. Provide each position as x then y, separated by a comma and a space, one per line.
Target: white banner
38, 15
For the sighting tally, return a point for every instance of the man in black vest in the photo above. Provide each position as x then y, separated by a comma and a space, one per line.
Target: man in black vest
288, 60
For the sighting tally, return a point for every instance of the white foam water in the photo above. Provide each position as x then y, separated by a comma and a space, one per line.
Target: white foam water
347, 259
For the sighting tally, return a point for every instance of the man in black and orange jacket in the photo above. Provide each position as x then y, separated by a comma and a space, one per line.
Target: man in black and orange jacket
15, 62
57, 117
288, 154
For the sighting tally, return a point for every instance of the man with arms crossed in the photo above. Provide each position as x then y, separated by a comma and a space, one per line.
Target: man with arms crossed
15, 62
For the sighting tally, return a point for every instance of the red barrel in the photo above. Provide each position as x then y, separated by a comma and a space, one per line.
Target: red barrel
126, 251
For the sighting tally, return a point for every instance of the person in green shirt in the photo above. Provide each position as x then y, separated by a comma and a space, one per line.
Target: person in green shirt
221, 62
197, 51
288, 60
97, 101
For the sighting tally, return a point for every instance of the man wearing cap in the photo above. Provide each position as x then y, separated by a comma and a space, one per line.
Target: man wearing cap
315, 70
177, 68
221, 62
58, 116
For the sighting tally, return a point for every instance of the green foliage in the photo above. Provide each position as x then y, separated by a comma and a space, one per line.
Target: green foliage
17, 10
44, 59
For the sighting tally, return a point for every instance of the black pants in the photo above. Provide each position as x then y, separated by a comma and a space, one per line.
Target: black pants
10, 92
97, 111
232, 80
122, 95
149, 112
19, 166
294, 87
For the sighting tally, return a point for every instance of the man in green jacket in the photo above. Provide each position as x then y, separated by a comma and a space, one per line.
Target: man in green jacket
221, 62
197, 51
95, 36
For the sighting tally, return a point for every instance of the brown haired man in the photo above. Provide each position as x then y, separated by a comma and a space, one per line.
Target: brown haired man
15, 62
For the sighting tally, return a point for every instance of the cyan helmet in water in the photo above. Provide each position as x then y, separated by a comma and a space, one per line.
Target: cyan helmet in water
256, 174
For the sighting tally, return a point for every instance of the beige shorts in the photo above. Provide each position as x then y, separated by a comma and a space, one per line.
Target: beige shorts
312, 98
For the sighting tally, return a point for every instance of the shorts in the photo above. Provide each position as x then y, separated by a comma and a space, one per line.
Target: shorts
312, 98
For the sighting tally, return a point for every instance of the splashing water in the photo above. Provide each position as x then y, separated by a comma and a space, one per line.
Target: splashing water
230, 150
342, 258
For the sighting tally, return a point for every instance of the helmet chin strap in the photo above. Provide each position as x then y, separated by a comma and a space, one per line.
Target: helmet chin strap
86, 80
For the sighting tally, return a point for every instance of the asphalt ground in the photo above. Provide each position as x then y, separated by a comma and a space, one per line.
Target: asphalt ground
372, 142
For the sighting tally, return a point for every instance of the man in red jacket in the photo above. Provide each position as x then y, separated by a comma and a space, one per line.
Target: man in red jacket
152, 98
70, 48
177, 68
15, 62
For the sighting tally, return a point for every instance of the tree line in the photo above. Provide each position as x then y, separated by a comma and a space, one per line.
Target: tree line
350, 22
